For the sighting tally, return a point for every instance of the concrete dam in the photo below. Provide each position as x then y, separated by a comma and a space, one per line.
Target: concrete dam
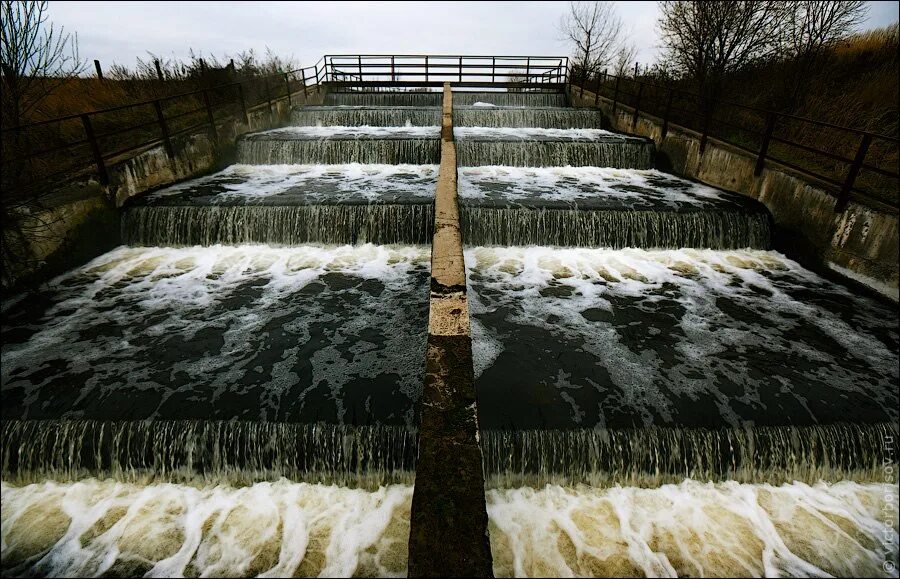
465, 332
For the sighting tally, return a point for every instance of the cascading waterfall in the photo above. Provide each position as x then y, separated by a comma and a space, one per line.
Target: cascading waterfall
279, 225
615, 228
661, 455
511, 99
546, 117
415, 151
235, 451
619, 153
371, 116
385, 99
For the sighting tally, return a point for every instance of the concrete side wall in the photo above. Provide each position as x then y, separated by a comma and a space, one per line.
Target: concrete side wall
75, 210
860, 242
448, 528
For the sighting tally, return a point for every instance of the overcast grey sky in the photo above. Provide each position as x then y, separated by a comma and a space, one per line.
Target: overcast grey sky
119, 32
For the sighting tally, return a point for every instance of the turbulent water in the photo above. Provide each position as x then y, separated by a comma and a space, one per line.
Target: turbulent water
568, 338
602, 207
302, 184
537, 147
510, 99
385, 99
93, 528
372, 116
341, 145
312, 333
545, 117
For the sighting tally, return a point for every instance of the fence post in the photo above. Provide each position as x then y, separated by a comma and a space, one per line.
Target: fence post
597, 92
287, 90
268, 97
95, 149
668, 111
707, 117
764, 146
213, 131
240, 88
844, 197
527, 69
583, 74
493, 68
167, 142
99, 70
393, 76
637, 105
426, 68
159, 73
359, 66
616, 95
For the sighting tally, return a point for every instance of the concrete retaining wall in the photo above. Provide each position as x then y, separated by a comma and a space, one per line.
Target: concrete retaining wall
75, 210
860, 243
448, 528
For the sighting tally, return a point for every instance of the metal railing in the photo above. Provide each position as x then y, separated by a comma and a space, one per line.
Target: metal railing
853, 162
391, 70
63, 148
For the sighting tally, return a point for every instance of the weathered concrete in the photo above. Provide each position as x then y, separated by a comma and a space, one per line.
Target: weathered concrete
860, 242
79, 214
448, 529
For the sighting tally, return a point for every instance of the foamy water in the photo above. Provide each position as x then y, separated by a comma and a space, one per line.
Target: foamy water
251, 332
570, 184
584, 337
318, 183
95, 527
696, 530
348, 132
535, 133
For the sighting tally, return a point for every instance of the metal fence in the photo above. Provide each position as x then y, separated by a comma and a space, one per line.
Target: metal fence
853, 162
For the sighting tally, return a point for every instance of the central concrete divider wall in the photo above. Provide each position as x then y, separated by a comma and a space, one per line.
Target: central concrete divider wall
448, 525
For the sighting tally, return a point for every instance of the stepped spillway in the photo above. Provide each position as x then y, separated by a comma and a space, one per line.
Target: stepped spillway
384, 99
541, 117
538, 147
339, 144
288, 205
596, 207
371, 116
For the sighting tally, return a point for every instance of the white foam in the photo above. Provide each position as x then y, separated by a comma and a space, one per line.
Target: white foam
351, 132
481, 104
759, 282
526, 133
93, 527
349, 180
279, 529
575, 183
695, 530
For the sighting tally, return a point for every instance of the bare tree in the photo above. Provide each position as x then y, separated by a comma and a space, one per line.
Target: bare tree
596, 33
624, 59
35, 59
706, 40
812, 27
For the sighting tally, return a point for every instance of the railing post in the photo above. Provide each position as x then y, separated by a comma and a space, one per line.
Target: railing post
214, 133
243, 102
583, 73
460, 69
844, 197
597, 91
95, 149
426, 68
668, 111
359, 65
164, 128
493, 68
99, 70
268, 92
393, 77
764, 146
637, 105
527, 69
616, 95
287, 90
707, 118
159, 73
